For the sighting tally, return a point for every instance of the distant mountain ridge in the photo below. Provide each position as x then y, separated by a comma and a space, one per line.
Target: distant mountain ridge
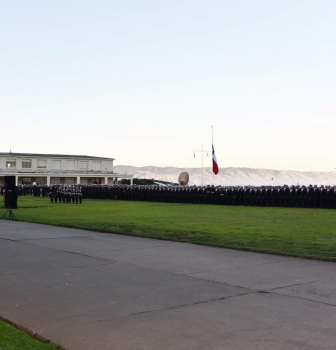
231, 176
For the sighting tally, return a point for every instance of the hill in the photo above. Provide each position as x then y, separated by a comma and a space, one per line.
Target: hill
231, 176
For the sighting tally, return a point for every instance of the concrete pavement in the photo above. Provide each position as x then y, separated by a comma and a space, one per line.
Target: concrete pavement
88, 290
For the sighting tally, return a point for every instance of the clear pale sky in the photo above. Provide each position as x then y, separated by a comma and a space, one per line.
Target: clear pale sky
143, 81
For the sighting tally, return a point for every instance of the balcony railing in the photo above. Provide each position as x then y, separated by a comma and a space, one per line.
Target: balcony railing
40, 171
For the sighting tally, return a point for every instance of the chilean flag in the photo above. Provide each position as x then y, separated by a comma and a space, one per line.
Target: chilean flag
214, 162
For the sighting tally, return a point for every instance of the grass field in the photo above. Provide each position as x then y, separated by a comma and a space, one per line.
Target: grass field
307, 233
14, 339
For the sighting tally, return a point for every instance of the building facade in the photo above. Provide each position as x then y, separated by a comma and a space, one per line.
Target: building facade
58, 169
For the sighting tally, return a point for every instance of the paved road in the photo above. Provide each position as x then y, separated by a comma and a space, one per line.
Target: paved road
93, 291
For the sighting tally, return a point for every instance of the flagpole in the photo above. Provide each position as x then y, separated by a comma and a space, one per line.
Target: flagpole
213, 175
202, 167
202, 151
212, 134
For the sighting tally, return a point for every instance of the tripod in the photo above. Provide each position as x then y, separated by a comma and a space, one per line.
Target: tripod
11, 215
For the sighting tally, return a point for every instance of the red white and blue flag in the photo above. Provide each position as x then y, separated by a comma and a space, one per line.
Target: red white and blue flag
214, 162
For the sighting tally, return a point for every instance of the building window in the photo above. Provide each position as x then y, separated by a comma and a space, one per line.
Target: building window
56, 164
96, 165
70, 181
26, 181
11, 163
41, 180
26, 163
55, 180
70, 164
41, 163
83, 165
83, 180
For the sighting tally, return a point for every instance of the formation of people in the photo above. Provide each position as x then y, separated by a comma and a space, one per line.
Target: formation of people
269, 196
66, 194
56, 193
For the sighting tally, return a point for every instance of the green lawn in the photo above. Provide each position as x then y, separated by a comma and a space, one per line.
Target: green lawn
308, 233
14, 339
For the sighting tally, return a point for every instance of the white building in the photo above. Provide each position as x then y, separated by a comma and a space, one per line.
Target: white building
50, 169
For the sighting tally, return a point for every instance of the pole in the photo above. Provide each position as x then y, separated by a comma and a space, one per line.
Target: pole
213, 175
202, 167
212, 134
202, 151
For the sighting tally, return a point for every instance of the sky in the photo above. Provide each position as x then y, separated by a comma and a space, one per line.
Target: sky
149, 82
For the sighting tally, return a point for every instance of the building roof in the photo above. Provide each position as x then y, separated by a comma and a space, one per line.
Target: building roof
39, 155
